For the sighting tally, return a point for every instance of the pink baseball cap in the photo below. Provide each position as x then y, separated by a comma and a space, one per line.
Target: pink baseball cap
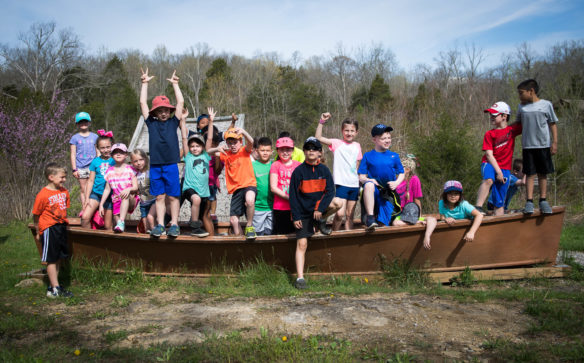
499, 107
119, 146
161, 101
284, 142
452, 185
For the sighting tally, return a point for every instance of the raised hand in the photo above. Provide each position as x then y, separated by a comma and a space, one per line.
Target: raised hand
233, 117
145, 77
325, 116
211, 112
174, 78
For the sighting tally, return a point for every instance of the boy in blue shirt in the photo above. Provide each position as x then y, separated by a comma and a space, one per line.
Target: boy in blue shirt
164, 152
379, 168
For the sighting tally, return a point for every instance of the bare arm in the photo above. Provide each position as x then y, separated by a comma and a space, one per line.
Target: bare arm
249, 139
209, 142
106, 193
318, 134
74, 160
144, 93
554, 131
180, 101
397, 182
478, 218
274, 187
37, 235
89, 187
364, 179
184, 132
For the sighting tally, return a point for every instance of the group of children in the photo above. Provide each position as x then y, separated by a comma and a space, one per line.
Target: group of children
294, 192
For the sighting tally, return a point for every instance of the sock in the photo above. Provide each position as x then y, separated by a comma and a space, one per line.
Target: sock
530, 200
300, 278
541, 200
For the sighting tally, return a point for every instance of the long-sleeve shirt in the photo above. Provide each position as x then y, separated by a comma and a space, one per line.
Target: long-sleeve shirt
311, 188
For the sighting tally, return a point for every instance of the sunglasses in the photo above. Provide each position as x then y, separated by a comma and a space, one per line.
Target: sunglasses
311, 148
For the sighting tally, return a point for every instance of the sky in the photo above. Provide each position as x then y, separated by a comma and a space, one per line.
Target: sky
415, 31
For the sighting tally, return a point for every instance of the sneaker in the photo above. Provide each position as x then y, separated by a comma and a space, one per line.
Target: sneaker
528, 208
158, 231
197, 229
323, 228
120, 226
58, 291
300, 284
214, 219
545, 207
371, 224
480, 209
250, 233
174, 231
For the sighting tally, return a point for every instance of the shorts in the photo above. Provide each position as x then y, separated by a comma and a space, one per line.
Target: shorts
537, 161
498, 190
83, 173
238, 201
145, 207
307, 229
283, 222
118, 202
383, 209
54, 243
347, 193
212, 192
262, 222
188, 194
164, 179
108, 202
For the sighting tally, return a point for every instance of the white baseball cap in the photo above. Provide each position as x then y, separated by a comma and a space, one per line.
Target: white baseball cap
499, 107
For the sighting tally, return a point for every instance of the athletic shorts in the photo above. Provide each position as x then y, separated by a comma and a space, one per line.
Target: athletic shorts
307, 229
238, 201
188, 194
54, 243
164, 179
212, 192
537, 161
145, 207
283, 222
108, 202
262, 222
498, 190
347, 193
83, 173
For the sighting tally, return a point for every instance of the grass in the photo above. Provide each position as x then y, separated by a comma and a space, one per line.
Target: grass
572, 238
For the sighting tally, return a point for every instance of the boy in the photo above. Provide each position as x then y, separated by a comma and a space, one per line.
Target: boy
311, 191
164, 152
262, 218
498, 145
538, 119
240, 180
379, 169
50, 221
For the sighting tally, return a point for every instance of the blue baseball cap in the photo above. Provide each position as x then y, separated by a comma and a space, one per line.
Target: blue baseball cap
380, 129
82, 116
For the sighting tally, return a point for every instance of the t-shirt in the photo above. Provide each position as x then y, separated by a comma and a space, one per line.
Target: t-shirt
163, 140
143, 179
462, 211
284, 172
119, 180
264, 198
502, 142
345, 165
51, 207
100, 166
197, 173
415, 190
535, 117
84, 148
381, 166
238, 170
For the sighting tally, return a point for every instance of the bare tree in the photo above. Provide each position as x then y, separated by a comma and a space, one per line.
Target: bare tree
342, 68
192, 68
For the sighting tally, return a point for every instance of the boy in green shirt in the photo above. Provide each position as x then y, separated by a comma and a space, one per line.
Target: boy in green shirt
262, 219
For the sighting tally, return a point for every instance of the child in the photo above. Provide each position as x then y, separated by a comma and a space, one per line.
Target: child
96, 182
498, 145
164, 152
50, 221
82, 152
539, 120
240, 180
311, 193
262, 218
297, 154
140, 162
122, 184
215, 168
410, 190
280, 173
347, 155
453, 207
379, 169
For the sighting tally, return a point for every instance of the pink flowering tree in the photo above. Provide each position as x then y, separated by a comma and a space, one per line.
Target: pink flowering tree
32, 134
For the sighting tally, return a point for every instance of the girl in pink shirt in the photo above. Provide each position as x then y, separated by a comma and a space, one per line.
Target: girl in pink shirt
280, 174
410, 190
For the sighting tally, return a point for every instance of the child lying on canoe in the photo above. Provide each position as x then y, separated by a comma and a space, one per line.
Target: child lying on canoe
453, 207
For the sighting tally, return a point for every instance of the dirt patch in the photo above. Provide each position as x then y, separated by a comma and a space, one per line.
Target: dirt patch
416, 324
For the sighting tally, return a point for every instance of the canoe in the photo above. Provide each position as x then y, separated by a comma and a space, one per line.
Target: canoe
501, 241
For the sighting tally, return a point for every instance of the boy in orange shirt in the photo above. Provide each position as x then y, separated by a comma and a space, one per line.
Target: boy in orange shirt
240, 179
50, 221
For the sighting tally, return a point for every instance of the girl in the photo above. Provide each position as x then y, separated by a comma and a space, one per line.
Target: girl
410, 190
453, 207
280, 173
96, 182
140, 162
82, 152
347, 155
121, 183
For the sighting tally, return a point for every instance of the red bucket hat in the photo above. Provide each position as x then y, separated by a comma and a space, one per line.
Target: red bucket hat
161, 101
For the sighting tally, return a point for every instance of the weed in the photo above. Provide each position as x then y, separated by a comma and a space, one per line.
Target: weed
120, 301
400, 273
115, 336
464, 279
561, 317
572, 238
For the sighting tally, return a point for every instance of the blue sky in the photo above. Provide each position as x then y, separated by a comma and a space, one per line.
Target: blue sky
416, 31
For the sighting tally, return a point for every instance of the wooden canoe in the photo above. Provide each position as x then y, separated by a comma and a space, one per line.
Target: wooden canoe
502, 241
